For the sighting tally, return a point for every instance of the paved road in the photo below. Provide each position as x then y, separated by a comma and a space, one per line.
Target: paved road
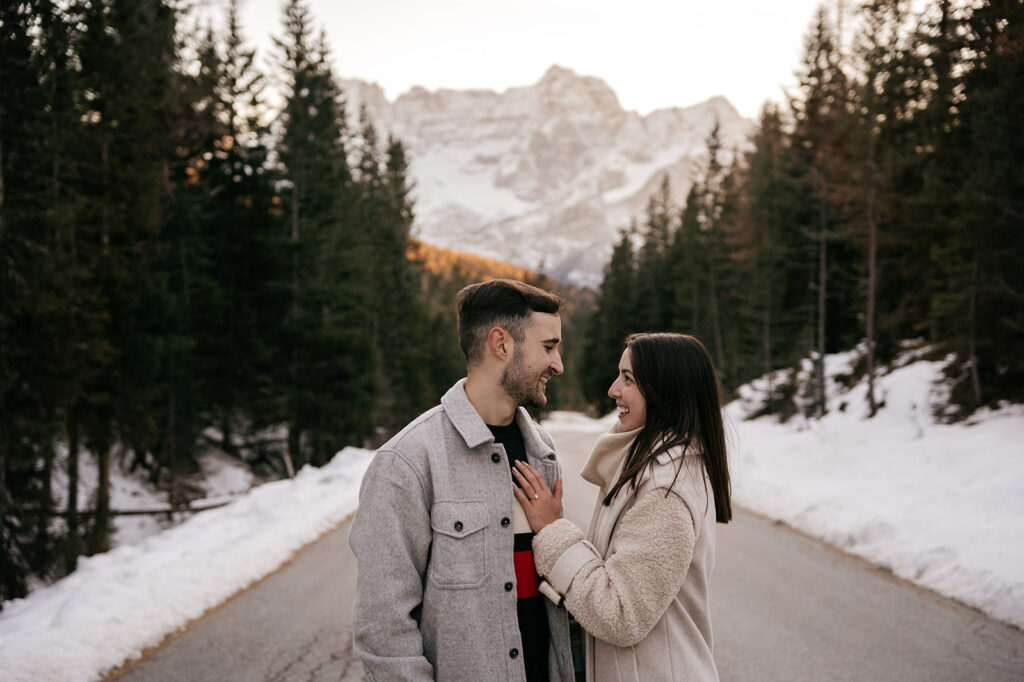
784, 608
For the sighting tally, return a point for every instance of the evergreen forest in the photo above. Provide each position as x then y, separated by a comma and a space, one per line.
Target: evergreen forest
883, 202
184, 265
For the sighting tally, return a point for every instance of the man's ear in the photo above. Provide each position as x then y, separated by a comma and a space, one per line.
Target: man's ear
500, 343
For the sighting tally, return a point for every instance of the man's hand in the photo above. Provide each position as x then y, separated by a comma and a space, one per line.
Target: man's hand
541, 506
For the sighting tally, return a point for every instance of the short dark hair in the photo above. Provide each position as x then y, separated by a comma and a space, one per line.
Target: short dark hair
504, 303
676, 377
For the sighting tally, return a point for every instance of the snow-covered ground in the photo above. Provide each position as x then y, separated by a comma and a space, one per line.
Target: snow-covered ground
118, 604
940, 505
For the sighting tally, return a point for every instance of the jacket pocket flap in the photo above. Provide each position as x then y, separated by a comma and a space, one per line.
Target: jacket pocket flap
458, 519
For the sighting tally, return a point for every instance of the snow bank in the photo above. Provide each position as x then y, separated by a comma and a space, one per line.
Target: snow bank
939, 505
117, 604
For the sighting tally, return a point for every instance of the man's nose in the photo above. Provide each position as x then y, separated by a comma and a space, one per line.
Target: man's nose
556, 366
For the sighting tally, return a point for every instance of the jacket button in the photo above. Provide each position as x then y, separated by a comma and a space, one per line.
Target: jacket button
458, 526
495, 457
505, 521
508, 587
513, 653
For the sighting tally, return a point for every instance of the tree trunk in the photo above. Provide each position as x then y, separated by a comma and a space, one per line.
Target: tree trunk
226, 439
716, 324
171, 440
45, 488
294, 446
1, 182
292, 453
101, 528
872, 210
972, 343
71, 548
819, 363
766, 340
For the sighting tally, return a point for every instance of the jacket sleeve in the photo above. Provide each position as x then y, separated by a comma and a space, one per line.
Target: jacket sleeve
621, 598
390, 537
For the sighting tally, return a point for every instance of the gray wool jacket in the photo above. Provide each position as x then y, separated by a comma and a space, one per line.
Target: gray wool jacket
434, 543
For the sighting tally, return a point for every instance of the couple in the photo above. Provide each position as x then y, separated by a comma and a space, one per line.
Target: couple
466, 566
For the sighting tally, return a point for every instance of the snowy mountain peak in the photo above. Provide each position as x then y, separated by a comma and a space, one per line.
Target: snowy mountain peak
542, 175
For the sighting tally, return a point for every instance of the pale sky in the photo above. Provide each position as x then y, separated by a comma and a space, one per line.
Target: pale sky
653, 53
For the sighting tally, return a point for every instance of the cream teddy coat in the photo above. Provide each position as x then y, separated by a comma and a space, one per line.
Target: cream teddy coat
638, 581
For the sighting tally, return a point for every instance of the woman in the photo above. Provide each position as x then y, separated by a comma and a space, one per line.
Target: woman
638, 581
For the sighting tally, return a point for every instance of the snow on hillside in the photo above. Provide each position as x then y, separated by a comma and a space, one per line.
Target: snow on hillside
118, 604
937, 504
545, 175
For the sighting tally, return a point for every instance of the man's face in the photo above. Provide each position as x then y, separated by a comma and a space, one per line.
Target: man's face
534, 360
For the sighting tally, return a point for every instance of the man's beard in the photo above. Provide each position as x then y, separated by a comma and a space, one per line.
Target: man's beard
521, 387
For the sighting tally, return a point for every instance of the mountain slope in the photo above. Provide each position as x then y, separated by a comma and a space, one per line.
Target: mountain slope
543, 175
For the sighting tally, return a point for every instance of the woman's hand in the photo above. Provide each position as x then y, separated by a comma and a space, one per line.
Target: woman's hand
541, 506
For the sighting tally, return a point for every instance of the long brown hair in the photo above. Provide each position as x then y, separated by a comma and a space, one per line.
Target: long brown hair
677, 379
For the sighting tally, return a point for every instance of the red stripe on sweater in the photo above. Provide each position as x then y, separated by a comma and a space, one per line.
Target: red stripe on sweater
527, 580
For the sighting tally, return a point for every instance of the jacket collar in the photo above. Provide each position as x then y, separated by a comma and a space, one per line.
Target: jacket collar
605, 461
474, 431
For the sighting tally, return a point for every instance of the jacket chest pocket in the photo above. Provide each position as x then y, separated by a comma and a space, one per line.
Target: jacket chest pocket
458, 557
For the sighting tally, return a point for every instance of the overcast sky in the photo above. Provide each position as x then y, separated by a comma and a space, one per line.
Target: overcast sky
653, 53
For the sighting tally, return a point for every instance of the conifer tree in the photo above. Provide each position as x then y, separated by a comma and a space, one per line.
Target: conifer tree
766, 212
652, 288
710, 208
613, 319
819, 138
246, 266
979, 310
128, 56
686, 273
327, 324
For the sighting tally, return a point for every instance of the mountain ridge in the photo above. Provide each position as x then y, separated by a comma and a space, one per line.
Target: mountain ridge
542, 175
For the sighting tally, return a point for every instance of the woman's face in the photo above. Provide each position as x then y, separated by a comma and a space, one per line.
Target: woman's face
631, 404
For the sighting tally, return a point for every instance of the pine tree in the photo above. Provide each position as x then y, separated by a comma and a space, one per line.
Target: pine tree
884, 106
613, 319
765, 188
327, 325
709, 208
820, 136
686, 269
980, 309
653, 285
245, 269
128, 58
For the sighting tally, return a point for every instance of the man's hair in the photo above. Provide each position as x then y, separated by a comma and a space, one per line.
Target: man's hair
504, 303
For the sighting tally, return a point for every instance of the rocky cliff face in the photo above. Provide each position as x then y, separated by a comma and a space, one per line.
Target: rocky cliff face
544, 175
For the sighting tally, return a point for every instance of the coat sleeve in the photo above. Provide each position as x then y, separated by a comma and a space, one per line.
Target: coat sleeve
390, 537
620, 599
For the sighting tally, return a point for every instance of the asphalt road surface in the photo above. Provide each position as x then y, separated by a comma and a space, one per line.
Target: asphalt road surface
784, 607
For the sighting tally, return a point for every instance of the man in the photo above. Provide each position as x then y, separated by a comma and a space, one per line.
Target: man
446, 588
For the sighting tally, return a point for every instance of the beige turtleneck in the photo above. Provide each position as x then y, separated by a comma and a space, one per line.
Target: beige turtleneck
605, 461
